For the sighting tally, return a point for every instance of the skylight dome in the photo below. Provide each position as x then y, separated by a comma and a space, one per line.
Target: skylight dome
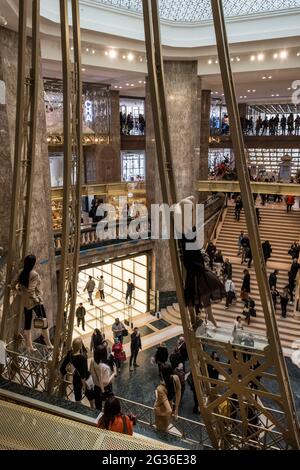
195, 11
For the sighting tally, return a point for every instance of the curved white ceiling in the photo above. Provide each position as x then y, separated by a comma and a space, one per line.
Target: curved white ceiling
195, 11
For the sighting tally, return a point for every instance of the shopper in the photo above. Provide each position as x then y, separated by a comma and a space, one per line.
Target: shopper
97, 340
267, 250
290, 201
82, 383
161, 356
275, 295
119, 353
135, 346
118, 330
80, 315
219, 261
90, 287
230, 293
241, 237
102, 376
101, 288
168, 395
211, 251
273, 279
28, 286
284, 299
238, 208
238, 325
114, 420
227, 269
129, 291
246, 286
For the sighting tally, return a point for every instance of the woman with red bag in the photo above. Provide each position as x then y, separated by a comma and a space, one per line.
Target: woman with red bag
119, 353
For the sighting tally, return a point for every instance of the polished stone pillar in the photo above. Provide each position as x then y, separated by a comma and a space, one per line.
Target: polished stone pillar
204, 138
41, 233
182, 94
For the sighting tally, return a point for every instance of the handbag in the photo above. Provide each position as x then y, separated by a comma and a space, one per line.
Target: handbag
89, 383
125, 332
40, 321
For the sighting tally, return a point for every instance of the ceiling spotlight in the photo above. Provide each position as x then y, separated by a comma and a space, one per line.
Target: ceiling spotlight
277, 94
72, 48
270, 77
132, 84
144, 83
238, 59
232, 59
216, 61
275, 55
248, 91
253, 91
106, 52
289, 88
252, 58
141, 59
127, 84
260, 57
83, 70
130, 56
298, 54
264, 77
245, 96
272, 96
112, 54
116, 86
210, 62
93, 51
120, 87
140, 81
123, 56
216, 92
241, 97
87, 49
283, 54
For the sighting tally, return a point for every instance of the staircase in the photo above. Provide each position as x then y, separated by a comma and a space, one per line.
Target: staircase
281, 229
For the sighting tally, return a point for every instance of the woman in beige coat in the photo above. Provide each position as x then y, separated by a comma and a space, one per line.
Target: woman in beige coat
28, 286
168, 395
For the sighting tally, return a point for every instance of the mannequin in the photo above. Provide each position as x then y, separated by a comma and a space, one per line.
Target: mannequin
27, 285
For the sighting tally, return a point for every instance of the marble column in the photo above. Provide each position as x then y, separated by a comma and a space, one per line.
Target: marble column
182, 94
41, 234
204, 138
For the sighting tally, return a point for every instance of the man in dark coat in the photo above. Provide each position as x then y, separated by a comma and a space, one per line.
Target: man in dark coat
135, 346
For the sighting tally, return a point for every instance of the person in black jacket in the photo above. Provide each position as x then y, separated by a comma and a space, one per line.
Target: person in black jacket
135, 346
211, 251
267, 249
77, 357
294, 269
273, 279
246, 286
161, 356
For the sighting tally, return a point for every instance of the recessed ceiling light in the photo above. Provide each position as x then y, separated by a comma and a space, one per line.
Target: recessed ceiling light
298, 54
264, 77
116, 86
289, 88
83, 69
120, 87
106, 52
241, 97
277, 94
132, 84
140, 81
87, 49
270, 77
123, 56
93, 51
248, 91
127, 84
144, 83
253, 91
3, 21
252, 58
238, 59
72, 48
260, 57
245, 96
283, 54
130, 56
275, 55
112, 53
216, 92
272, 95
232, 59
210, 62
141, 59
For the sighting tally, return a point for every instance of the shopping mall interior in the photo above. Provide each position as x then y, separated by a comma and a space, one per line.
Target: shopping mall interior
109, 109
